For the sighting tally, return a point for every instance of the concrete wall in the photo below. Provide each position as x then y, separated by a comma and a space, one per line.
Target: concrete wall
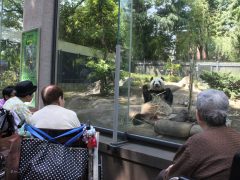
40, 14
132, 160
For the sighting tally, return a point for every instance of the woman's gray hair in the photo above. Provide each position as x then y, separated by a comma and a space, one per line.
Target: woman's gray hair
212, 106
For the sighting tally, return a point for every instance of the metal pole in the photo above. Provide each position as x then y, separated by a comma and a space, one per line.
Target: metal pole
116, 82
116, 93
129, 60
55, 54
1, 1
1, 14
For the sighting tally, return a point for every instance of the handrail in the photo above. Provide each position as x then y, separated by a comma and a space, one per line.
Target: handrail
129, 136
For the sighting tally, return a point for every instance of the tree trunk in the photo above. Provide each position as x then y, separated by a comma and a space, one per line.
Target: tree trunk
200, 48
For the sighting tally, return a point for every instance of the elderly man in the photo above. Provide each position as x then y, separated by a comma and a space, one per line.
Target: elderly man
54, 115
209, 154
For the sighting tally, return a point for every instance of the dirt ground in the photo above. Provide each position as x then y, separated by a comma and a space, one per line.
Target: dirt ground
100, 110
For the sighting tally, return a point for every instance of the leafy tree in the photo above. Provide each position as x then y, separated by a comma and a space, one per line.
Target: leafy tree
12, 14
172, 21
102, 70
225, 82
91, 23
11, 54
161, 28
12, 18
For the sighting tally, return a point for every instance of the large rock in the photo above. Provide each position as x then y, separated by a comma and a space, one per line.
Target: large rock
182, 116
195, 129
173, 128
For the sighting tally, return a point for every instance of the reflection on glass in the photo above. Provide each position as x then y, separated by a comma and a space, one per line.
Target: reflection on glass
180, 43
10, 38
86, 55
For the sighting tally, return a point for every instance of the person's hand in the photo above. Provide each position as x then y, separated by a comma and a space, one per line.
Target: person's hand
163, 174
168, 169
33, 110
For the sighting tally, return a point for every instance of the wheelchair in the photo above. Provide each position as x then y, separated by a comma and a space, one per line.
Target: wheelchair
10, 157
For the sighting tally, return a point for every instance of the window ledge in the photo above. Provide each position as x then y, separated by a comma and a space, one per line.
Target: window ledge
154, 156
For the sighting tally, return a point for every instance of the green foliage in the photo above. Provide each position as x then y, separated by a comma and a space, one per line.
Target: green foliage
103, 71
12, 16
140, 79
11, 54
160, 28
225, 82
172, 68
172, 78
9, 77
91, 23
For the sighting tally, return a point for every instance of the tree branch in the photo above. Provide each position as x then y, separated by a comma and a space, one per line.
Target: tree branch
18, 7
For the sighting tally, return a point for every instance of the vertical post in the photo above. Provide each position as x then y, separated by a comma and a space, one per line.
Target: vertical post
191, 74
116, 81
217, 66
129, 60
1, 13
197, 71
144, 66
190, 86
1, 1
116, 93
54, 41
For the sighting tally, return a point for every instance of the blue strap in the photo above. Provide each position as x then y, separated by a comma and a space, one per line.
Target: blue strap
74, 139
72, 131
37, 132
32, 132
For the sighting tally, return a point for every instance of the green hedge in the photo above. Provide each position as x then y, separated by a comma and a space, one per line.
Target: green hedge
222, 81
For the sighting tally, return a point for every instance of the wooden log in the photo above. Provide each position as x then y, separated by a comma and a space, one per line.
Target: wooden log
172, 128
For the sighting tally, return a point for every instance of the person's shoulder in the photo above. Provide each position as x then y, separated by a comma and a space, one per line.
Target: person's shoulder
8, 103
67, 110
43, 110
233, 132
13, 100
210, 134
196, 139
2, 101
37, 112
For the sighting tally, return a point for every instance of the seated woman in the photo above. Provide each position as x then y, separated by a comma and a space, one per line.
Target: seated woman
209, 154
16, 104
54, 115
7, 93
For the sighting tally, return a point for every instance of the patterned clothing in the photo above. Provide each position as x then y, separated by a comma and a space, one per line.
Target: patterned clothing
2, 101
207, 155
17, 105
